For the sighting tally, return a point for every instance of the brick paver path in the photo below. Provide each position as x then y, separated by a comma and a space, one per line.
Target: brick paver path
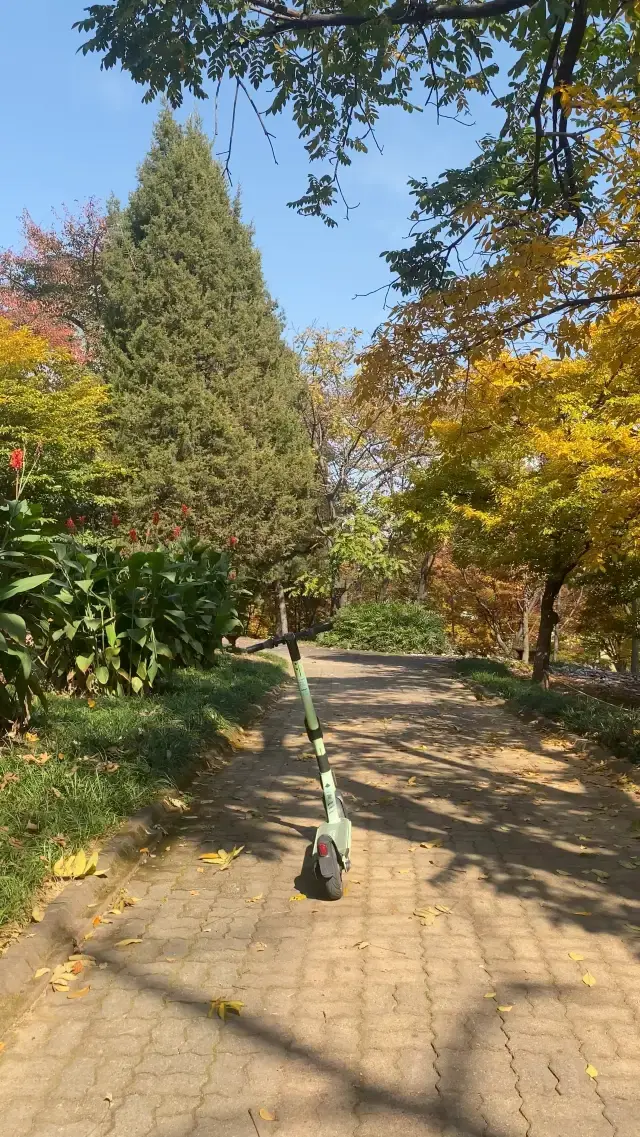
339, 1039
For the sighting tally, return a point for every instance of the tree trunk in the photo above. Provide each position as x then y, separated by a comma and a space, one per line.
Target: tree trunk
425, 573
548, 621
635, 638
283, 622
525, 634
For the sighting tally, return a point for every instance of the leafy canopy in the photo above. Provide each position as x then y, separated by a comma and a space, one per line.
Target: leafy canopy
337, 64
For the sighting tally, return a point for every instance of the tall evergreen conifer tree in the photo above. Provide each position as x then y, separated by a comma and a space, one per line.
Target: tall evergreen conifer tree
206, 394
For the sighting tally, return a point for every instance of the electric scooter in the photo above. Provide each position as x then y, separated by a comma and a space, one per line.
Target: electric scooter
332, 844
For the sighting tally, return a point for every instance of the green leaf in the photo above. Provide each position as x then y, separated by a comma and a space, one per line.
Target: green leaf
137, 684
14, 626
102, 674
83, 662
25, 584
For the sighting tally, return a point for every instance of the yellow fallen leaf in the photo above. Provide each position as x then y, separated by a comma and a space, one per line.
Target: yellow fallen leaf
412, 781
298, 896
254, 899
2, 1046
127, 943
575, 955
80, 994
143, 850
626, 864
37, 915
589, 979
506, 1007
261, 947
361, 944
489, 995
591, 1071
442, 908
91, 702
222, 857
41, 971
224, 1007
582, 912
432, 844
266, 1116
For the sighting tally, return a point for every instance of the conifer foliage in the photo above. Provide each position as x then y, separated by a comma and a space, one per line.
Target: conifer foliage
206, 395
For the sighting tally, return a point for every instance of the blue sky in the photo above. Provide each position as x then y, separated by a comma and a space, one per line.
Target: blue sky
69, 131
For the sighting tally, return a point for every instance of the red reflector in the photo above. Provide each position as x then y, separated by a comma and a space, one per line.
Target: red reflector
323, 848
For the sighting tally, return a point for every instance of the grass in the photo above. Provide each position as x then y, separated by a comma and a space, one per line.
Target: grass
106, 762
616, 727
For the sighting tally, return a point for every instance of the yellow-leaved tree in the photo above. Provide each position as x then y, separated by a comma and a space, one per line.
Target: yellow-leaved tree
52, 425
537, 460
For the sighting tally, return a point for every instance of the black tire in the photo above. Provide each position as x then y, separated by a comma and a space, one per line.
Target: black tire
333, 885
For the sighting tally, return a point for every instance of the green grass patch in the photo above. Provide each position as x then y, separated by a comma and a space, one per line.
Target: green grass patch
615, 727
153, 741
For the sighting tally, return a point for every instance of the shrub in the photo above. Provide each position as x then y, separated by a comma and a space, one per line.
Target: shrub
390, 626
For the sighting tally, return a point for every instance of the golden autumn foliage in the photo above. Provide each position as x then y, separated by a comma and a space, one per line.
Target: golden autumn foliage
53, 409
533, 271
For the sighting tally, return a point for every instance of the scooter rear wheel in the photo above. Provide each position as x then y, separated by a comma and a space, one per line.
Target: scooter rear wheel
333, 885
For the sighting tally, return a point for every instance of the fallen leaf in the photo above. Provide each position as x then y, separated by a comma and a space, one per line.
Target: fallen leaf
582, 912
588, 979
224, 1007
432, 844
575, 955
170, 958
442, 908
80, 994
261, 947
591, 1071
37, 915
2, 1046
91, 703
412, 781
194, 892
626, 864
7, 779
77, 866
361, 944
108, 1098
127, 943
222, 857
298, 896
41, 971
505, 1007
254, 899
31, 736
489, 995
266, 1116
144, 850
633, 927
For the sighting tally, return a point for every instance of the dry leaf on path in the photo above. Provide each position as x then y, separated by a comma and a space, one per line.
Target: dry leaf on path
127, 943
432, 844
266, 1115
591, 1071
222, 858
361, 944
489, 995
41, 971
576, 955
2, 1046
588, 979
80, 994
77, 866
582, 912
261, 947
37, 915
254, 899
224, 1007
505, 1007
298, 896
412, 781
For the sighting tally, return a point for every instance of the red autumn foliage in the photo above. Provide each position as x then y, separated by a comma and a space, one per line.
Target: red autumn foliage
52, 285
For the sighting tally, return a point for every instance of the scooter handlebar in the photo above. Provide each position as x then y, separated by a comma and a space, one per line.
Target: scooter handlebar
305, 634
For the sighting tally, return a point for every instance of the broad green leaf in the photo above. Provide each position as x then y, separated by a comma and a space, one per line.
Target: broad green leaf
14, 626
25, 584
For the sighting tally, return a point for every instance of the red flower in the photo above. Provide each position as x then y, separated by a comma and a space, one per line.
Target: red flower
133, 536
233, 541
115, 520
232, 574
16, 459
70, 524
81, 520
175, 532
156, 518
185, 511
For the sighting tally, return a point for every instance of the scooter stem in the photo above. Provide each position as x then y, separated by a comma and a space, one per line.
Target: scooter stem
314, 732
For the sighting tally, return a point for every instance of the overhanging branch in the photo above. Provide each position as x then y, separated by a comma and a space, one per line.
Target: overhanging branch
404, 14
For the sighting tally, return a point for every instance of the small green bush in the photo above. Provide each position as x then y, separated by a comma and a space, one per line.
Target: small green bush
617, 728
391, 626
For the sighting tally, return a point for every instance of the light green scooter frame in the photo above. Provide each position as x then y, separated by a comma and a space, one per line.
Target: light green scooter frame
332, 843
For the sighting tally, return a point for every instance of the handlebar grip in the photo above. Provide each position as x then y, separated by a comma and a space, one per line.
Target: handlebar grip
258, 647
